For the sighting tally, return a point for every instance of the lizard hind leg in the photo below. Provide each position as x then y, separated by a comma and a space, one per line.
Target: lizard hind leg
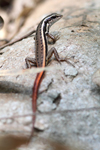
29, 61
54, 51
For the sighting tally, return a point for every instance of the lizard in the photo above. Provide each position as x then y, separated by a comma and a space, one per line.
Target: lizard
42, 55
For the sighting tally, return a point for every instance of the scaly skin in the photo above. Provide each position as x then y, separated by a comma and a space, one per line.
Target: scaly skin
41, 54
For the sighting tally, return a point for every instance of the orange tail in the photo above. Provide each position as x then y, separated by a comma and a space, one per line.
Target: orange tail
36, 86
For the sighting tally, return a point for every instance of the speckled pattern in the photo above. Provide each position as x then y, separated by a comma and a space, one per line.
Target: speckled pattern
68, 88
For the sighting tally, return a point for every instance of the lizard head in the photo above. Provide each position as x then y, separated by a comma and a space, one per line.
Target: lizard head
52, 18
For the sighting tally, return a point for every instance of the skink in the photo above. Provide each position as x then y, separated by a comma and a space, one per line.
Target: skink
42, 55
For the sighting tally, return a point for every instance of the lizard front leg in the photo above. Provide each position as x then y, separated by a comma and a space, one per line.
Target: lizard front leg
54, 38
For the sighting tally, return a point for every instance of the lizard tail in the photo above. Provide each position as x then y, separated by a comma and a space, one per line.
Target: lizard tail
36, 86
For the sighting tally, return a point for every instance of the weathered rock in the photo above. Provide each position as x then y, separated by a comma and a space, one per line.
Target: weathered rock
77, 117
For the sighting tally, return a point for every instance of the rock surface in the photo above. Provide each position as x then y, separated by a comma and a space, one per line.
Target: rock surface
62, 89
